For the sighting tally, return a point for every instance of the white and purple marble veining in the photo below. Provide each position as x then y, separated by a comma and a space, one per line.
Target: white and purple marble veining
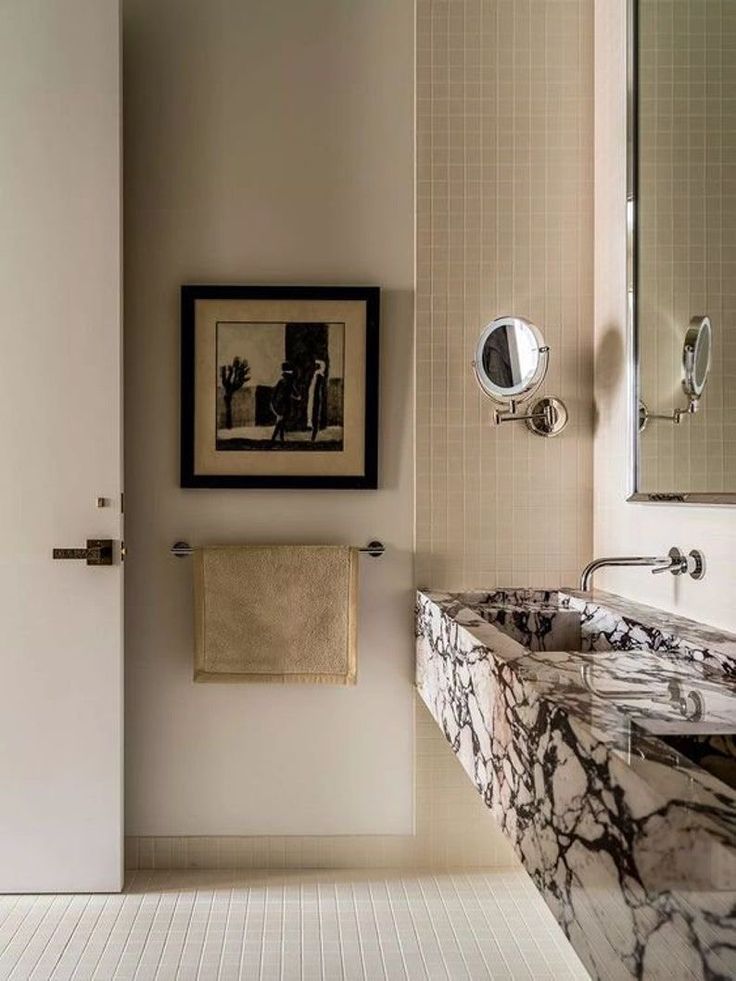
632, 844
611, 620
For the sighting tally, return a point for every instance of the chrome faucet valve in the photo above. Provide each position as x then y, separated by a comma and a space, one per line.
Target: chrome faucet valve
676, 562
692, 564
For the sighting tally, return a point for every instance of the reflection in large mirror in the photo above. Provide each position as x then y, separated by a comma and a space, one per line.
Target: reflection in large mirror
682, 185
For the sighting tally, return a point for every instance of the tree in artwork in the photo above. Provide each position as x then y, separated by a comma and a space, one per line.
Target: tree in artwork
233, 377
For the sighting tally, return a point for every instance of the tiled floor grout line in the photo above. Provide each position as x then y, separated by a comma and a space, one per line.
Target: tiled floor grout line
397, 932
244, 935
28, 943
263, 932
283, 933
361, 945
69, 905
148, 932
339, 931
521, 949
82, 952
151, 933
162, 953
10, 910
523, 919
378, 932
414, 926
490, 929
467, 919
71, 937
454, 933
203, 945
475, 939
321, 932
20, 926
186, 933
301, 931
36, 900
227, 924
125, 897
127, 936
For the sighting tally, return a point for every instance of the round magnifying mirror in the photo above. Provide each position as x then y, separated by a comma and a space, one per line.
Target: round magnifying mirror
510, 359
696, 355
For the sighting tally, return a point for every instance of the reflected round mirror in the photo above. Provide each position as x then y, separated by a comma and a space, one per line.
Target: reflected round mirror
510, 359
696, 356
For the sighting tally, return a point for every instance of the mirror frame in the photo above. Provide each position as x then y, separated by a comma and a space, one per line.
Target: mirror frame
524, 390
632, 187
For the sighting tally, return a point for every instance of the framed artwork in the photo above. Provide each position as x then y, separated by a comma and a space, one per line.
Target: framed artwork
279, 386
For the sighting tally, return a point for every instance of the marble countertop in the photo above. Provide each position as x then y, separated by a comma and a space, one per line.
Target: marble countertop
631, 691
561, 706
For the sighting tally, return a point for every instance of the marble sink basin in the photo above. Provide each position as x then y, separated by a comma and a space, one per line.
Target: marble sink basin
569, 620
599, 734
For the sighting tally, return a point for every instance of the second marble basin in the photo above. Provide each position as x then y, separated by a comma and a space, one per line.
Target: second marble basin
568, 620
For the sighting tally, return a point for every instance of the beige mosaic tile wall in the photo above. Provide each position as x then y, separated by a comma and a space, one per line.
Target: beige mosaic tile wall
504, 225
454, 829
687, 218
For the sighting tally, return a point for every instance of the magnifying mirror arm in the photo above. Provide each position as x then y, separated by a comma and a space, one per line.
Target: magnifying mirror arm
547, 417
676, 416
511, 414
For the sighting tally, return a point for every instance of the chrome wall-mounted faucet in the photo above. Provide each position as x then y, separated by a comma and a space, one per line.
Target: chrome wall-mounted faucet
676, 562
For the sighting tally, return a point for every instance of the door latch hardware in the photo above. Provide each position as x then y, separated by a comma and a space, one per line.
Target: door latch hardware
97, 552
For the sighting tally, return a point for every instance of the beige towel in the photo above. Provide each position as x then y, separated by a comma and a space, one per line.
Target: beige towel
276, 613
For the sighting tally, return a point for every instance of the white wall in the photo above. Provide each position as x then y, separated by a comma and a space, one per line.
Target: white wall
622, 527
265, 142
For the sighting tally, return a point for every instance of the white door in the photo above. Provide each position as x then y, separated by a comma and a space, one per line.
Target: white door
60, 445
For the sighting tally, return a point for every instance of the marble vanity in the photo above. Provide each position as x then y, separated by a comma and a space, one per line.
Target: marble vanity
602, 737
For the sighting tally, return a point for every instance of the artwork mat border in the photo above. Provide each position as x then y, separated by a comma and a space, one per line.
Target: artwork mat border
264, 462
369, 296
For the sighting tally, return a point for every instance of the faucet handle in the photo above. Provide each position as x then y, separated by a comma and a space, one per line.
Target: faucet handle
676, 563
679, 564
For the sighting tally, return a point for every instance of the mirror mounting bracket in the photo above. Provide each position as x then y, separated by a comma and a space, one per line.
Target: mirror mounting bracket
546, 417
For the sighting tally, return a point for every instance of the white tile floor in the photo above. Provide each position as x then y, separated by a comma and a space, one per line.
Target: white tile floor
289, 925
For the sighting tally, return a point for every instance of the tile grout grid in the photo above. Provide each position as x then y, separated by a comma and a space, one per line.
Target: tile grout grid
350, 924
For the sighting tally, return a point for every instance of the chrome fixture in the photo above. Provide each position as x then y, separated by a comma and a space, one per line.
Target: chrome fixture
511, 361
676, 562
696, 360
375, 549
690, 705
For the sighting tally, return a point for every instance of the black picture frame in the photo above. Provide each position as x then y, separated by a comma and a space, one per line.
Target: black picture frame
369, 295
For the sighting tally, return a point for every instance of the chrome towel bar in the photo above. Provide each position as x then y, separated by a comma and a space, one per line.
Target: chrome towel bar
375, 549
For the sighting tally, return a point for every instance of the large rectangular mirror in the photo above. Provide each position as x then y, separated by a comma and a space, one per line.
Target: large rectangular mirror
682, 241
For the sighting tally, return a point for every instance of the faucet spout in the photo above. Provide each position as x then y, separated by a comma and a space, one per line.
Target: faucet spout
676, 562
657, 563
